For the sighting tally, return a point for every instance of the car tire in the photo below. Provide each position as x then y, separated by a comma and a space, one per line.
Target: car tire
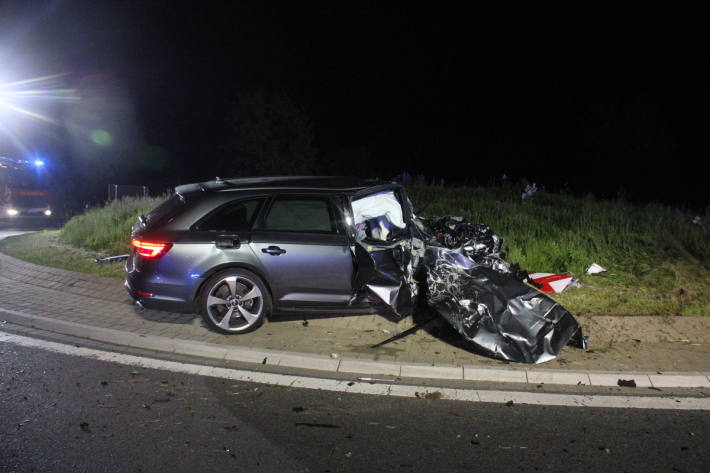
235, 301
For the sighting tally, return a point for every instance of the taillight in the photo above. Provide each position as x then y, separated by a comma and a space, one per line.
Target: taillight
150, 249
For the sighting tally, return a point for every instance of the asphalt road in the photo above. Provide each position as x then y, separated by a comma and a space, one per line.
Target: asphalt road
20, 225
4, 233
63, 413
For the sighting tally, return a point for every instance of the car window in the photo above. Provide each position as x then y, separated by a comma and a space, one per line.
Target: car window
300, 215
233, 217
164, 211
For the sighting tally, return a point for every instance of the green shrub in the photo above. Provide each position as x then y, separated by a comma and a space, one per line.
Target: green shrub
554, 232
108, 229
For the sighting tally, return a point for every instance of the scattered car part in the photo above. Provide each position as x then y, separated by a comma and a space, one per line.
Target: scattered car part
550, 283
409, 331
594, 268
112, 259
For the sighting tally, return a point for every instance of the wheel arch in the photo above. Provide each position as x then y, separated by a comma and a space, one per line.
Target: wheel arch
205, 277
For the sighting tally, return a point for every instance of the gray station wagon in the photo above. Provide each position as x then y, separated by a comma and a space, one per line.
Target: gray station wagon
239, 249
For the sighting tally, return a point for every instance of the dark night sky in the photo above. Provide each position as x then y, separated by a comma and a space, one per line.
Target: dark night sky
601, 99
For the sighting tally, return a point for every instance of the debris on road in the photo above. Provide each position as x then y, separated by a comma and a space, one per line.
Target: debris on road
111, 259
551, 283
434, 395
594, 268
313, 424
373, 380
422, 325
627, 383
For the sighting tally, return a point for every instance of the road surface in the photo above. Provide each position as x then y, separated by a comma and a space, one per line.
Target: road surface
63, 413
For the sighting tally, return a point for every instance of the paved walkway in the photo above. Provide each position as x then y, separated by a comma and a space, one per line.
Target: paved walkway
60, 298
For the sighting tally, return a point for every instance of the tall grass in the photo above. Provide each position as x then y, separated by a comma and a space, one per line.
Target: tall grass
556, 233
107, 230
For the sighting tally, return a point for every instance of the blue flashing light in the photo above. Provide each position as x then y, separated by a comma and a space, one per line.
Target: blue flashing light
39, 163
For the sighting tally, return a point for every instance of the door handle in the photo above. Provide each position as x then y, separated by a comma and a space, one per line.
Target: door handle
273, 250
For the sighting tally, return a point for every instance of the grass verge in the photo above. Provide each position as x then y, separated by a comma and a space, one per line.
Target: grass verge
107, 229
45, 248
657, 259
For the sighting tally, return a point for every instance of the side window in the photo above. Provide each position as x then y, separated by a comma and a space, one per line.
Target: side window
301, 215
233, 217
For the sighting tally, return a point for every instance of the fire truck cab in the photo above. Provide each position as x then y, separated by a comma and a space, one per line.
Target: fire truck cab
23, 189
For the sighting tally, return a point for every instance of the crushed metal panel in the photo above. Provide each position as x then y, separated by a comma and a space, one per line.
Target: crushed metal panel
387, 273
497, 312
384, 252
468, 281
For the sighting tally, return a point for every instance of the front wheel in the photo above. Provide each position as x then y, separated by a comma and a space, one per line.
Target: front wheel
235, 301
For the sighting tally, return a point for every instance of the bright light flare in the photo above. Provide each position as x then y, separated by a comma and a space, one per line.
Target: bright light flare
12, 212
39, 163
28, 97
31, 99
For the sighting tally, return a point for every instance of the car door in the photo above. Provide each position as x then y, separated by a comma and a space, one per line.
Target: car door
303, 248
384, 248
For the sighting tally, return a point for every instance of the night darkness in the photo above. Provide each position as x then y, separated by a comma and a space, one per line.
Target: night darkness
603, 101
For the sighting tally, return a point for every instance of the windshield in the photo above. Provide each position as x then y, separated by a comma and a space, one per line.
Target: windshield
19, 178
30, 201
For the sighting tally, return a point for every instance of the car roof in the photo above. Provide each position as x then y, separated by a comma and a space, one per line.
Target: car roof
332, 183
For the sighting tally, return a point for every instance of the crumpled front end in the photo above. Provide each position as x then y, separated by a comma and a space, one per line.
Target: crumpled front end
465, 276
495, 311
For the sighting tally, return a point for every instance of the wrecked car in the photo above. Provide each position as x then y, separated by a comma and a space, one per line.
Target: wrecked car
239, 250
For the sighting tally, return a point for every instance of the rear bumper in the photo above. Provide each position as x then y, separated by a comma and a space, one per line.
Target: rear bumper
156, 301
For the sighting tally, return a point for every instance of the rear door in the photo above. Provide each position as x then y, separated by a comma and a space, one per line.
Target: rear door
302, 245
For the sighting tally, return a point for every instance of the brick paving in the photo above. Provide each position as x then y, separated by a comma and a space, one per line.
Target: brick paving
102, 302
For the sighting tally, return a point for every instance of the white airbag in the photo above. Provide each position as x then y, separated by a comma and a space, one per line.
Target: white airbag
381, 204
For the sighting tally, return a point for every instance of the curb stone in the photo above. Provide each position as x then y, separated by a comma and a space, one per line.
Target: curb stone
352, 366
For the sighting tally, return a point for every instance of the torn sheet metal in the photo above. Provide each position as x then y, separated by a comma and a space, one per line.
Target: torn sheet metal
495, 311
466, 277
111, 259
550, 283
385, 254
477, 241
387, 273
485, 298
